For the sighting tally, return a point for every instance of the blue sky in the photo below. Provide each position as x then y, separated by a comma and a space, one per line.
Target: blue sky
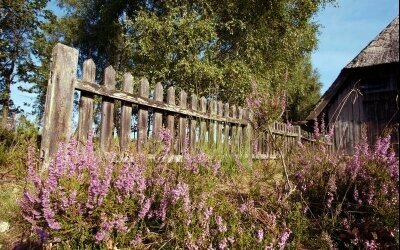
346, 28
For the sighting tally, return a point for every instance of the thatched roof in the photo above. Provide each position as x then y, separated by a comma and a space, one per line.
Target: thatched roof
383, 49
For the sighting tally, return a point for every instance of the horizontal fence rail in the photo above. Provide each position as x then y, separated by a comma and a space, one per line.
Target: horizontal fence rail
191, 121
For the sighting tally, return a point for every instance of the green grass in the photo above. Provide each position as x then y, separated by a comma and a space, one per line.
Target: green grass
10, 213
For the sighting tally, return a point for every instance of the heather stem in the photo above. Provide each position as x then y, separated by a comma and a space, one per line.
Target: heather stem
282, 160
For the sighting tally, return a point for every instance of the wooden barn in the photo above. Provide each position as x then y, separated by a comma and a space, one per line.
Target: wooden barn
365, 92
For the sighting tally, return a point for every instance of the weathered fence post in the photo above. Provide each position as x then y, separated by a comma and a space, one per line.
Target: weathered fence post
59, 100
239, 142
182, 122
203, 123
192, 133
211, 131
86, 103
107, 112
126, 113
171, 118
298, 134
157, 119
220, 126
226, 129
248, 132
143, 115
234, 129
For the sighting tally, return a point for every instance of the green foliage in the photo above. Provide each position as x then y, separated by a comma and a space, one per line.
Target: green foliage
349, 202
13, 149
303, 90
20, 21
206, 47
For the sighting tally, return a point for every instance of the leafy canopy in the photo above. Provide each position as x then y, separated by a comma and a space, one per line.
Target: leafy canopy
208, 47
20, 21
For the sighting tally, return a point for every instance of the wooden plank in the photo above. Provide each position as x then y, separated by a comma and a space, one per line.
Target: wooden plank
85, 120
203, 123
107, 112
182, 122
234, 129
59, 100
143, 115
220, 127
227, 127
248, 132
193, 123
357, 119
143, 101
239, 142
157, 118
211, 131
298, 129
263, 143
171, 117
126, 114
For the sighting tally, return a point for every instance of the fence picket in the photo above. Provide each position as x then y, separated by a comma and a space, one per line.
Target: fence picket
193, 123
182, 122
126, 113
85, 120
203, 123
171, 117
220, 124
143, 115
234, 129
59, 100
239, 143
227, 127
248, 131
211, 130
157, 119
107, 112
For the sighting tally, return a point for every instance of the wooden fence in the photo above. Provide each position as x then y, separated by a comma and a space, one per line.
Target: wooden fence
190, 121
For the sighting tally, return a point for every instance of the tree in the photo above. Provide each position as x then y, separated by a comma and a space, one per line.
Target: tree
19, 22
303, 90
209, 47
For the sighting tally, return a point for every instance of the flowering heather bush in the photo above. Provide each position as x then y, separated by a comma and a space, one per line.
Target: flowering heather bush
266, 107
84, 200
352, 202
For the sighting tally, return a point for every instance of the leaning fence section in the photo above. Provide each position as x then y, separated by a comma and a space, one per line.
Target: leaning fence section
192, 121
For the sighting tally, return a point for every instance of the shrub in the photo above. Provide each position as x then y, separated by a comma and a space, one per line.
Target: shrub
85, 200
88, 200
13, 149
352, 202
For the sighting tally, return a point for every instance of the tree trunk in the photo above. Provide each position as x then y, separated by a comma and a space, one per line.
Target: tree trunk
6, 103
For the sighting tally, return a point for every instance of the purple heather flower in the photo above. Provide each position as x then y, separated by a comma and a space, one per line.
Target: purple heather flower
371, 245
166, 138
283, 238
223, 244
207, 213
221, 225
119, 223
145, 208
260, 235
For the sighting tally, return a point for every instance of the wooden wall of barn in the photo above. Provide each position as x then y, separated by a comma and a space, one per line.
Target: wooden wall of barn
369, 96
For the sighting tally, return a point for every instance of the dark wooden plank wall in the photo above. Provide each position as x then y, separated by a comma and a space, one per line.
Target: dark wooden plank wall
367, 100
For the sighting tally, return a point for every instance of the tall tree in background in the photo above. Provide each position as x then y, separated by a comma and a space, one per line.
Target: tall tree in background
209, 47
303, 90
19, 22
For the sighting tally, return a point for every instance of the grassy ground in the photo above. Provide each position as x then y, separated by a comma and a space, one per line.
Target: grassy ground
9, 214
